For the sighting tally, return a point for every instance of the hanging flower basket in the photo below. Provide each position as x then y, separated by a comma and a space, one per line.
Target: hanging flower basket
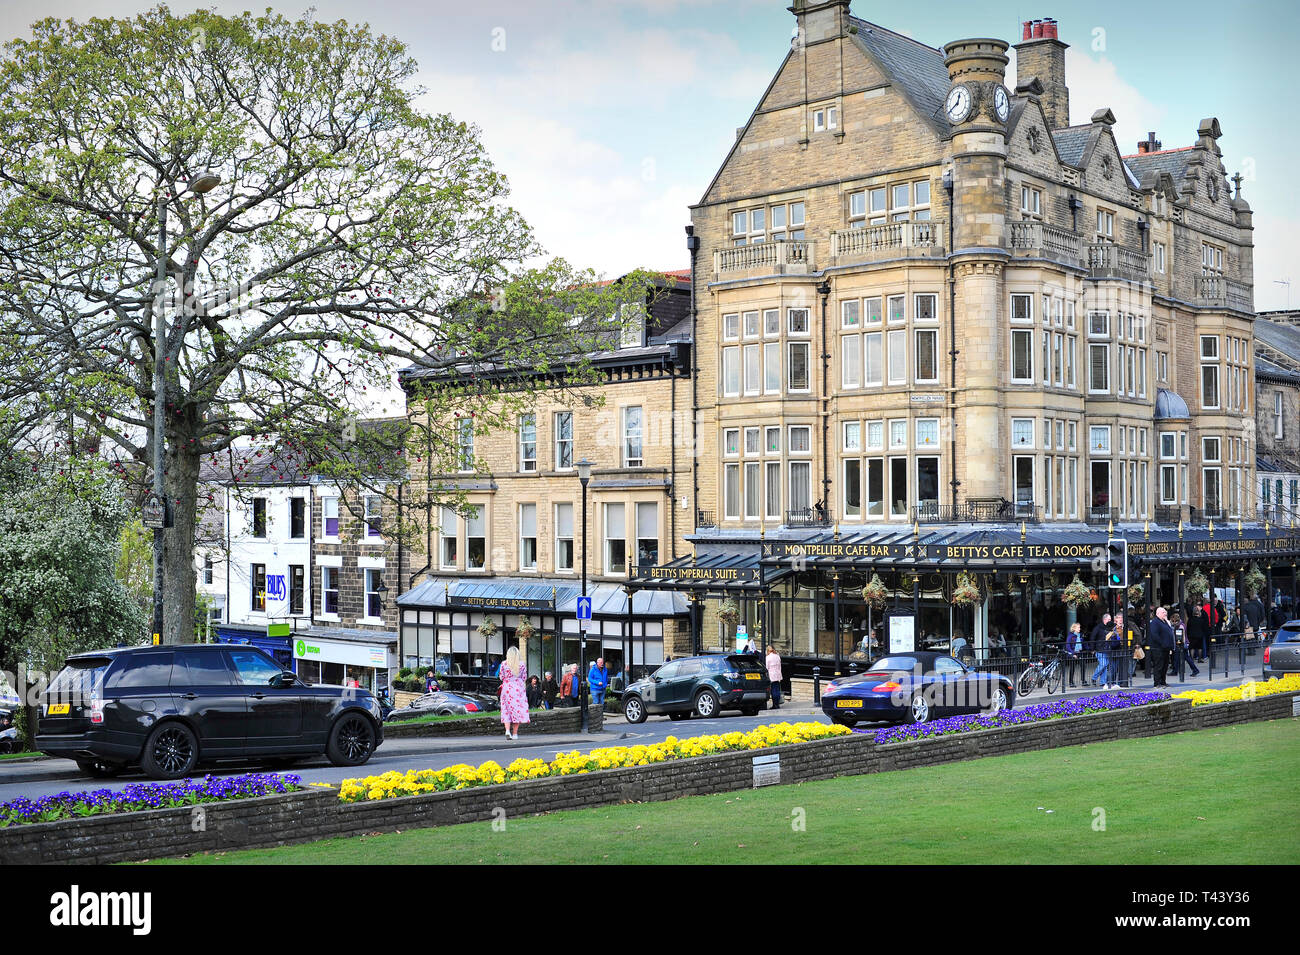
729, 612
1195, 587
1254, 581
488, 628
1078, 594
966, 593
1135, 593
525, 630
875, 592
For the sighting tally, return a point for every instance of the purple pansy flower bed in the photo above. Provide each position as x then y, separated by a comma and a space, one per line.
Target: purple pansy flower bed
141, 796
1054, 710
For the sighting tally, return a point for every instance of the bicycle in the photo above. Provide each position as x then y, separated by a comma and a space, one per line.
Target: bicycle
1041, 672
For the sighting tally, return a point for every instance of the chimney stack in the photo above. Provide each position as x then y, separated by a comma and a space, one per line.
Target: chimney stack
1149, 145
1041, 54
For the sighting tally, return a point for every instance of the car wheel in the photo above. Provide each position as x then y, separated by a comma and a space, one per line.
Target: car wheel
749, 711
352, 740
848, 721
678, 716
172, 751
634, 710
919, 711
100, 769
706, 704
998, 703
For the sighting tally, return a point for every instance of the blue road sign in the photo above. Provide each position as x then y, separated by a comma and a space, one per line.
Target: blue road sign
584, 608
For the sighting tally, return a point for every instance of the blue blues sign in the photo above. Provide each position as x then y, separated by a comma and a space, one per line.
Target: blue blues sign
584, 608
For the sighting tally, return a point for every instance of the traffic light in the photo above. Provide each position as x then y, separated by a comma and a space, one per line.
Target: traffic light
1117, 563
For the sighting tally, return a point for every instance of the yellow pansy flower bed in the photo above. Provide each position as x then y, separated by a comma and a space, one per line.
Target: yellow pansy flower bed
1247, 691
463, 776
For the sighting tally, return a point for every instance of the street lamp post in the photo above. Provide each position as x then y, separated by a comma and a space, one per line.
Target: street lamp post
584, 475
205, 181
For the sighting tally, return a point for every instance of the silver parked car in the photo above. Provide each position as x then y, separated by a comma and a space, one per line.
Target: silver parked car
1282, 656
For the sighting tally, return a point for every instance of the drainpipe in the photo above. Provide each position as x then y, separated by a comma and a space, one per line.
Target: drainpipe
428, 508
672, 475
400, 550
693, 246
952, 347
824, 290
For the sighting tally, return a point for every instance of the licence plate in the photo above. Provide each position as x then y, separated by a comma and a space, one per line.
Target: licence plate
753, 676
57, 709
848, 704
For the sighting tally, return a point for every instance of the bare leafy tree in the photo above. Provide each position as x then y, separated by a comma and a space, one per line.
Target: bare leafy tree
350, 234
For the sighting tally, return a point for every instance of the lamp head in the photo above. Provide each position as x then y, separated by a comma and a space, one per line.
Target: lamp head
205, 180
584, 470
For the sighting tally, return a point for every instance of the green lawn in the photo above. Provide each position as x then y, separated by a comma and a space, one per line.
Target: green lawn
494, 716
1214, 796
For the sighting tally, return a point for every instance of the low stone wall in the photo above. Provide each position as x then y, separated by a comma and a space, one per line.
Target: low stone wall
563, 719
318, 814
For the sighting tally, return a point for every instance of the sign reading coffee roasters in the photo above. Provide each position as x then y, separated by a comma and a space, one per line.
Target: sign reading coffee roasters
1226, 546
687, 574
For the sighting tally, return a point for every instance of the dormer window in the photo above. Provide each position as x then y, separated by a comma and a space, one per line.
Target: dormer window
825, 118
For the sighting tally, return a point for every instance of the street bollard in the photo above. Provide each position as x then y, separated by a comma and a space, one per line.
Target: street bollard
817, 686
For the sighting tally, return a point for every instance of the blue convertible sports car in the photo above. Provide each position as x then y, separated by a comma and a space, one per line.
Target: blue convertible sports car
916, 688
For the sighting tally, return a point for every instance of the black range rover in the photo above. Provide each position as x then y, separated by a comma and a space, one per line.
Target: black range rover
170, 709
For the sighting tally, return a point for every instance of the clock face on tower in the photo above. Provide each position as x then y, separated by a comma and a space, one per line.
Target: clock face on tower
1001, 104
957, 106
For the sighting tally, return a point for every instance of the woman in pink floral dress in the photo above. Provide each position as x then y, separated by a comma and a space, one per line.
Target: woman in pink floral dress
514, 697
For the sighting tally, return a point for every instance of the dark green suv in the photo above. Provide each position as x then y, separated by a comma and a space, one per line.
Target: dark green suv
701, 685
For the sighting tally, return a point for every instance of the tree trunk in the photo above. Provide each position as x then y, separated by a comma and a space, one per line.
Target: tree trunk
179, 581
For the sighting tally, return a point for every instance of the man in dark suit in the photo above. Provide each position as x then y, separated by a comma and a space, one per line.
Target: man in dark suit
1161, 637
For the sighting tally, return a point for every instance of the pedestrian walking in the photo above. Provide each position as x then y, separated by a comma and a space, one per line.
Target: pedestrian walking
1183, 640
598, 680
773, 662
550, 690
1198, 632
1099, 637
514, 697
430, 683
1115, 651
1074, 654
1161, 637
570, 688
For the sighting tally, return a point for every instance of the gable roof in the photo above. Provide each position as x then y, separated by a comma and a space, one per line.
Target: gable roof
1281, 338
1071, 141
1171, 161
915, 69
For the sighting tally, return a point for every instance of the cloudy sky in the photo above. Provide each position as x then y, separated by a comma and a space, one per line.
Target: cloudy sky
611, 116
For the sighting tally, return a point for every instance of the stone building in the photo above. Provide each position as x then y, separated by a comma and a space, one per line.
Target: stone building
518, 550
1277, 416
300, 568
932, 314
